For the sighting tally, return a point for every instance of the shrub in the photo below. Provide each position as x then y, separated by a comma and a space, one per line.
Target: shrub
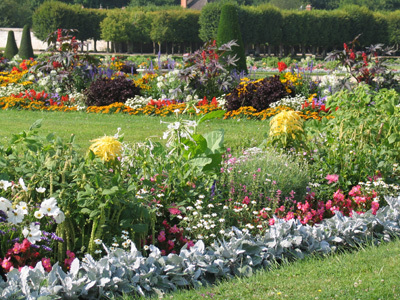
258, 94
228, 30
25, 48
105, 91
11, 47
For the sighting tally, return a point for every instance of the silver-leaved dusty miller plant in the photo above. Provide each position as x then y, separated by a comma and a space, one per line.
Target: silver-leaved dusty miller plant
129, 272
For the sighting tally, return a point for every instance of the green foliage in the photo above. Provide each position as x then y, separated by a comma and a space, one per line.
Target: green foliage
116, 27
105, 91
52, 15
209, 20
229, 30
11, 46
363, 139
15, 13
25, 48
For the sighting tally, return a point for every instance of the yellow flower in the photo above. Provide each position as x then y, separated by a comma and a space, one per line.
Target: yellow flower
286, 122
106, 147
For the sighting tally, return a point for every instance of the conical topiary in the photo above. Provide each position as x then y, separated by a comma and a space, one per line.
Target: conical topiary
25, 49
11, 46
228, 30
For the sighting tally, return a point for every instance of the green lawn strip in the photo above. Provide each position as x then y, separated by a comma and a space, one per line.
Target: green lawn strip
86, 127
369, 273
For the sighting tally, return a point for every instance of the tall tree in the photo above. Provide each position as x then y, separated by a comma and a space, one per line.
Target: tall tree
228, 30
11, 46
25, 48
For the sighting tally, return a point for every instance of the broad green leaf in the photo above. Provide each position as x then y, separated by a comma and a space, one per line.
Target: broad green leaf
215, 140
111, 191
200, 161
36, 124
393, 138
212, 115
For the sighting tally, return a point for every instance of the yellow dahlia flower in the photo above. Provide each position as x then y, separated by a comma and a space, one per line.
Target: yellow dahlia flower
286, 122
106, 147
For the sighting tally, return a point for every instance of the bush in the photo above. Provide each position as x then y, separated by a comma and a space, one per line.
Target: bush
11, 47
105, 91
228, 30
25, 48
258, 94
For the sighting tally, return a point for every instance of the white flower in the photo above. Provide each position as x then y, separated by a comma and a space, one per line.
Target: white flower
38, 214
225, 207
210, 205
40, 190
214, 215
200, 236
23, 206
125, 244
189, 208
145, 247
97, 252
221, 220
5, 204
60, 217
201, 196
222, 231
115, 244
22, 184
98, 241
33, 234
15, 216
195, 213
49, 207
4, 184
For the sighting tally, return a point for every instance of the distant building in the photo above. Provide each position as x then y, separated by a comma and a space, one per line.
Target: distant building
193, 4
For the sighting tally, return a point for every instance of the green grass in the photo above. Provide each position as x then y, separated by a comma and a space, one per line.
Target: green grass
86, 127
370, 273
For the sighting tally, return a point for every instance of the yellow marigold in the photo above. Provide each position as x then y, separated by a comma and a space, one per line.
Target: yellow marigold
106, 147
286, 122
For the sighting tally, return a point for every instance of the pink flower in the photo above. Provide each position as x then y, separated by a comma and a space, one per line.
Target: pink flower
161, 237
174, 211
7, 264
332, 178
375, 207
174, 229
271, 221
171, 244
289, 216
46, 264
190, 244
246, 200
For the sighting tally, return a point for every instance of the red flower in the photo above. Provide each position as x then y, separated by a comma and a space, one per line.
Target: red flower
282, 66
352, 55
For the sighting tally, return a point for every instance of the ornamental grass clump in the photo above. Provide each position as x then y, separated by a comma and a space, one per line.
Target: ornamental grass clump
286, 130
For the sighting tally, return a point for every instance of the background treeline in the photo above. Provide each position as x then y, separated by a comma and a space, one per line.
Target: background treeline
17, 13
265, 28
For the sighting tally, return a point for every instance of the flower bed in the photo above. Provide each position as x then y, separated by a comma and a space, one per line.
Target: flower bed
321, 179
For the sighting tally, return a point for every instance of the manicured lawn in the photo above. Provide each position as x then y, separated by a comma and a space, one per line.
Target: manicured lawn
238, 134
370, 273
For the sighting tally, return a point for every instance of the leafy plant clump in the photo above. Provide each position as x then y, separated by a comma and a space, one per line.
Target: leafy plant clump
259, 94
105, 91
